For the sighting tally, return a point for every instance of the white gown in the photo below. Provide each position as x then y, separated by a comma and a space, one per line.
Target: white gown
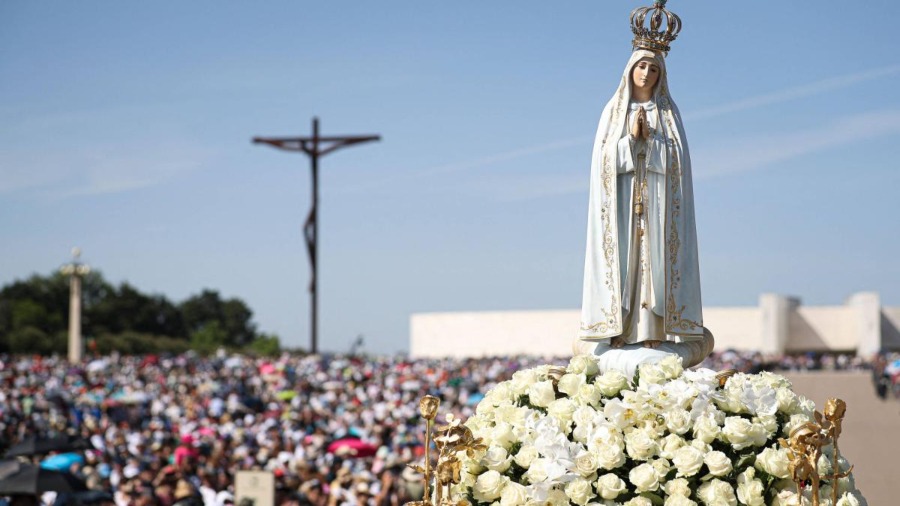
641, 239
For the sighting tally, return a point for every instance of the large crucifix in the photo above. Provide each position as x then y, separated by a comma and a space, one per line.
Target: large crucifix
314, 147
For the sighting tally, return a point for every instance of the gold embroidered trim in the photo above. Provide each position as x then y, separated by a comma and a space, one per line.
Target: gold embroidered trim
674, 320
611, 323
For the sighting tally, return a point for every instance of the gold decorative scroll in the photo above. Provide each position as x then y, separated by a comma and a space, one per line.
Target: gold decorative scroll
454, 438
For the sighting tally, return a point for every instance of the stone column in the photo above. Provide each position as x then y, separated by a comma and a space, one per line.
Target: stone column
775, 311
75, 271
867, 306
75, 344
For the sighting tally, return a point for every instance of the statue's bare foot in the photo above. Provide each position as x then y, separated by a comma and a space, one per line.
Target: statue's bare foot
616, 342
652, 344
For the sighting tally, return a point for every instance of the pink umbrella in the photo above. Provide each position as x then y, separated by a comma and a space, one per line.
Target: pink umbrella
351, 447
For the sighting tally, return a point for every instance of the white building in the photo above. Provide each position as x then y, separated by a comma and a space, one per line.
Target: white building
778, 324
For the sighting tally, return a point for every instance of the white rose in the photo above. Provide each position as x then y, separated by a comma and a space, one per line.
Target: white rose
489, 486
706, 429
538, 471
824, 495
514, 494
611, 383
788, 498
555, 497
678, 421
526, 456
585, 415
541, 394
641, 445
688, 460
750, 490
510, 414
496, 459
787, 401
824, 464
700, 445
502, 435
485, 407
848, 499
769, 423
718, 463
731, 399
662, 466
717, 493
671, 366
807, 406
569, 383
669, 444
650, 374
589, 394
758, 434
846, 484
678, 486
583, 364
586, 463
502, 393
562, 410
522, 381
774, 461
644, 477
739, 432
580, 491
678, 500
638, 501
610, 486
609, 456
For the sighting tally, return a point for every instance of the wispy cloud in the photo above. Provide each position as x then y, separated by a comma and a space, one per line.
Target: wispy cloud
788, 94
503, 157
764, 150
768, 99
98, 171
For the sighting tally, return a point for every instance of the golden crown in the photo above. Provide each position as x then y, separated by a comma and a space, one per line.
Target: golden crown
653, 38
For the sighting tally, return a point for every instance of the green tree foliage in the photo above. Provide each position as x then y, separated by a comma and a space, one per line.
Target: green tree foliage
232, 315
34, 319
266, 345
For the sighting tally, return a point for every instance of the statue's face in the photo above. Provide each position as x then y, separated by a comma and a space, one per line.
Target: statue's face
645, 74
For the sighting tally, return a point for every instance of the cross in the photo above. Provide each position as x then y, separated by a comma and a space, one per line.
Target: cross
314, 147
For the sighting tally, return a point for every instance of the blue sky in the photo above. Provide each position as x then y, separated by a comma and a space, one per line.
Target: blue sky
126, 130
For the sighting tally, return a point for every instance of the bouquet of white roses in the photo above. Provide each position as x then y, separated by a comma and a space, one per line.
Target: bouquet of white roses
666, 437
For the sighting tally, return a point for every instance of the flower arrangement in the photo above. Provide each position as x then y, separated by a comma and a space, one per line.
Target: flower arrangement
572, 436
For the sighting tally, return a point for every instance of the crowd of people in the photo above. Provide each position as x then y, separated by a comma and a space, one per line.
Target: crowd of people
332, 430
886, 374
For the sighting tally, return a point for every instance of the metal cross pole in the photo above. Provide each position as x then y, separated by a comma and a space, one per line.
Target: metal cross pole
314, 147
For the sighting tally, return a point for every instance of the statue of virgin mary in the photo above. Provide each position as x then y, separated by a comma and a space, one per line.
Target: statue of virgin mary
641, 274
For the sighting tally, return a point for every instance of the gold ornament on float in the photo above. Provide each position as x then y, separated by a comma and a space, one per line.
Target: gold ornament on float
454, 438
805, 448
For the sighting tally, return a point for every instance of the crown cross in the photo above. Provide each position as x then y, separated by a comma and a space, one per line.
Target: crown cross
654, 38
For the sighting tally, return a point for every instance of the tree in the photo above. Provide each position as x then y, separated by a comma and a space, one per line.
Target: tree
126, 308
232, 315
34, 318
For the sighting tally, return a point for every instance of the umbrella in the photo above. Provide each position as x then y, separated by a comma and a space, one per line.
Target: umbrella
61, 461
33, 445
351, 447
20, 478
79, 498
